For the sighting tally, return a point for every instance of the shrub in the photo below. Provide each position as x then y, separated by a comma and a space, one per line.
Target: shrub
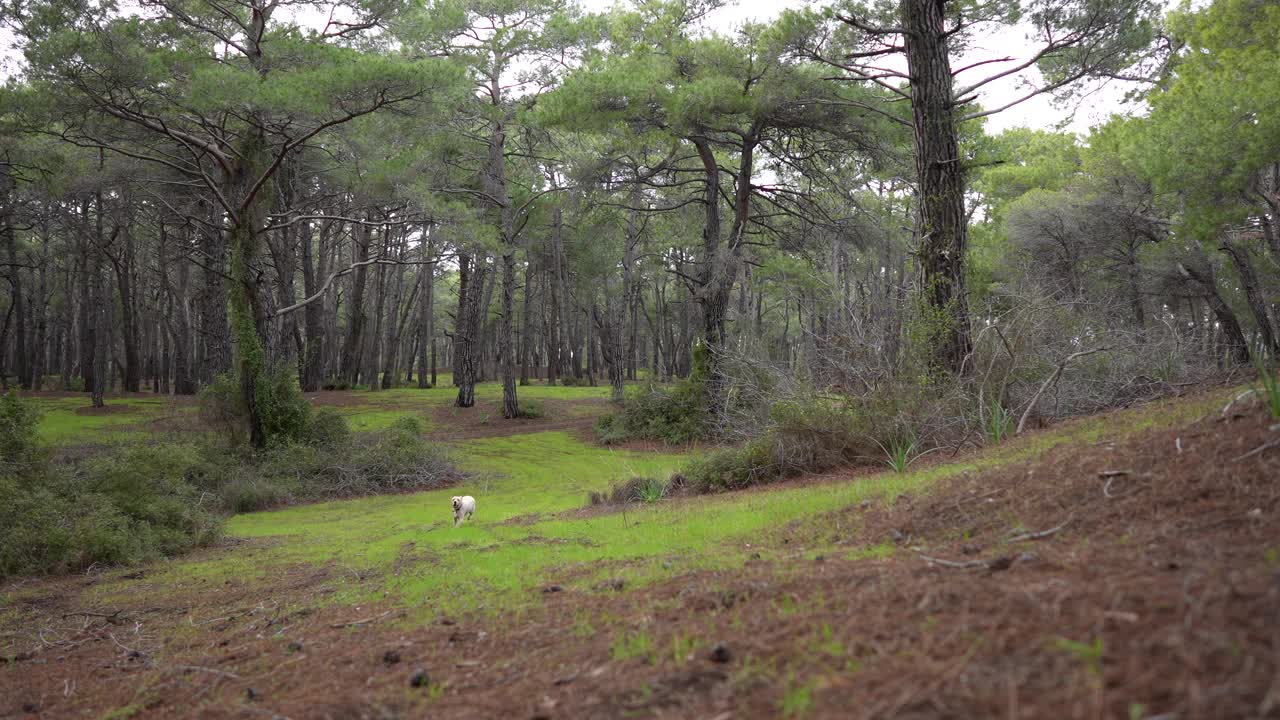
674, 416
396, 459
647, 490
221, 406
19, 442
128, 505
734, 468
804, 435
532, 409
816, 434
328, 428
1269, 380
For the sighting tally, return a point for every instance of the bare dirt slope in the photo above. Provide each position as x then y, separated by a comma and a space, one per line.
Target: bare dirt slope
1130, 579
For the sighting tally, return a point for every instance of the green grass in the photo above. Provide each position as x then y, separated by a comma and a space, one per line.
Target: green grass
60, 424
136, 417
404, 548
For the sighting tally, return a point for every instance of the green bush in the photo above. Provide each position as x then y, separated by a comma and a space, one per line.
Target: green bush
286, 414
646, 490
532, 409
125, 506
328, 428
674, 416
221, 406
19, 442
807, 435
733, 468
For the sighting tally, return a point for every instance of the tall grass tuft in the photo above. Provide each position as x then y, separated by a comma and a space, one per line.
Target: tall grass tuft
900, 454
1269, 379
999, 424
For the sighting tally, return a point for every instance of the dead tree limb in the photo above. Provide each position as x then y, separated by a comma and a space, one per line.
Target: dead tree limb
334, 276
1057, 373
1038, 535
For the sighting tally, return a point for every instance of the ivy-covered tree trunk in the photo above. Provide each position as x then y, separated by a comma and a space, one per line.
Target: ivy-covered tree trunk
243, 302
940, 176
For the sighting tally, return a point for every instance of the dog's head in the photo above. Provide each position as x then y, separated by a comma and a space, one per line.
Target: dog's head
457, 503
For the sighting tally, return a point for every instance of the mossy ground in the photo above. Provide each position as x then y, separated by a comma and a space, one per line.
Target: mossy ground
530, 526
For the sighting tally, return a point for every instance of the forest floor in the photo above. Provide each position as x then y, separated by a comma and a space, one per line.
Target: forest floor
1124, 565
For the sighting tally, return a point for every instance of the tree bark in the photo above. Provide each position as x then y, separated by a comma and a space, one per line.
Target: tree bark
467, 328
1252, 293
942, 226
1232, 336
350, 369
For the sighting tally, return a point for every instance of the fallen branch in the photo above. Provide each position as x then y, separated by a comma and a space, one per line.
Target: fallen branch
953, 563
357, 623
111, 618
1057, 373
1039, 535
1106, 488
1235, 400
1261, 448
213, 671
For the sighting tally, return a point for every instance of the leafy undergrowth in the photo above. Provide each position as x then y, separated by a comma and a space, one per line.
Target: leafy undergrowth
819, 589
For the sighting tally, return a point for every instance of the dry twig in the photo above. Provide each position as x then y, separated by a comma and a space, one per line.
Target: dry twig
357, 623
1260, 449
1039, 535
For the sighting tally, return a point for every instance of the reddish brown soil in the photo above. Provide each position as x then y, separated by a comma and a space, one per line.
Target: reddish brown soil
484, 419
1157, 593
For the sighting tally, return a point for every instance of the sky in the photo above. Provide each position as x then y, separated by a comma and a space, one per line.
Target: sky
1039, 112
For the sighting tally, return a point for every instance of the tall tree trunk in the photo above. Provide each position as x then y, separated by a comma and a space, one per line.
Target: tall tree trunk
426, 322
942, 227
315, 266
248, 321
1252, 293
22, 359
373, 343
350, 367
215, 328
123, 267
526, 320
1229, 326
468, 328
101, 317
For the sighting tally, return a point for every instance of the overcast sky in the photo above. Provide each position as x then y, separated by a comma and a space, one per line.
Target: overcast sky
1038, 112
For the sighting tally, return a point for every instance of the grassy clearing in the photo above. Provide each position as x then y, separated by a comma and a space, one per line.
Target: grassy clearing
403, 547
135, 417
60, 424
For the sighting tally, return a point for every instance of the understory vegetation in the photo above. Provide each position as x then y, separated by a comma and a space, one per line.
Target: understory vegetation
159, 498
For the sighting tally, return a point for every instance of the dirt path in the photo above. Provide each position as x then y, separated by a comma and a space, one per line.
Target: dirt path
1131, 579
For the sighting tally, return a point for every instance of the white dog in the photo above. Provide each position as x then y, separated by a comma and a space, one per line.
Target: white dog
463, 507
